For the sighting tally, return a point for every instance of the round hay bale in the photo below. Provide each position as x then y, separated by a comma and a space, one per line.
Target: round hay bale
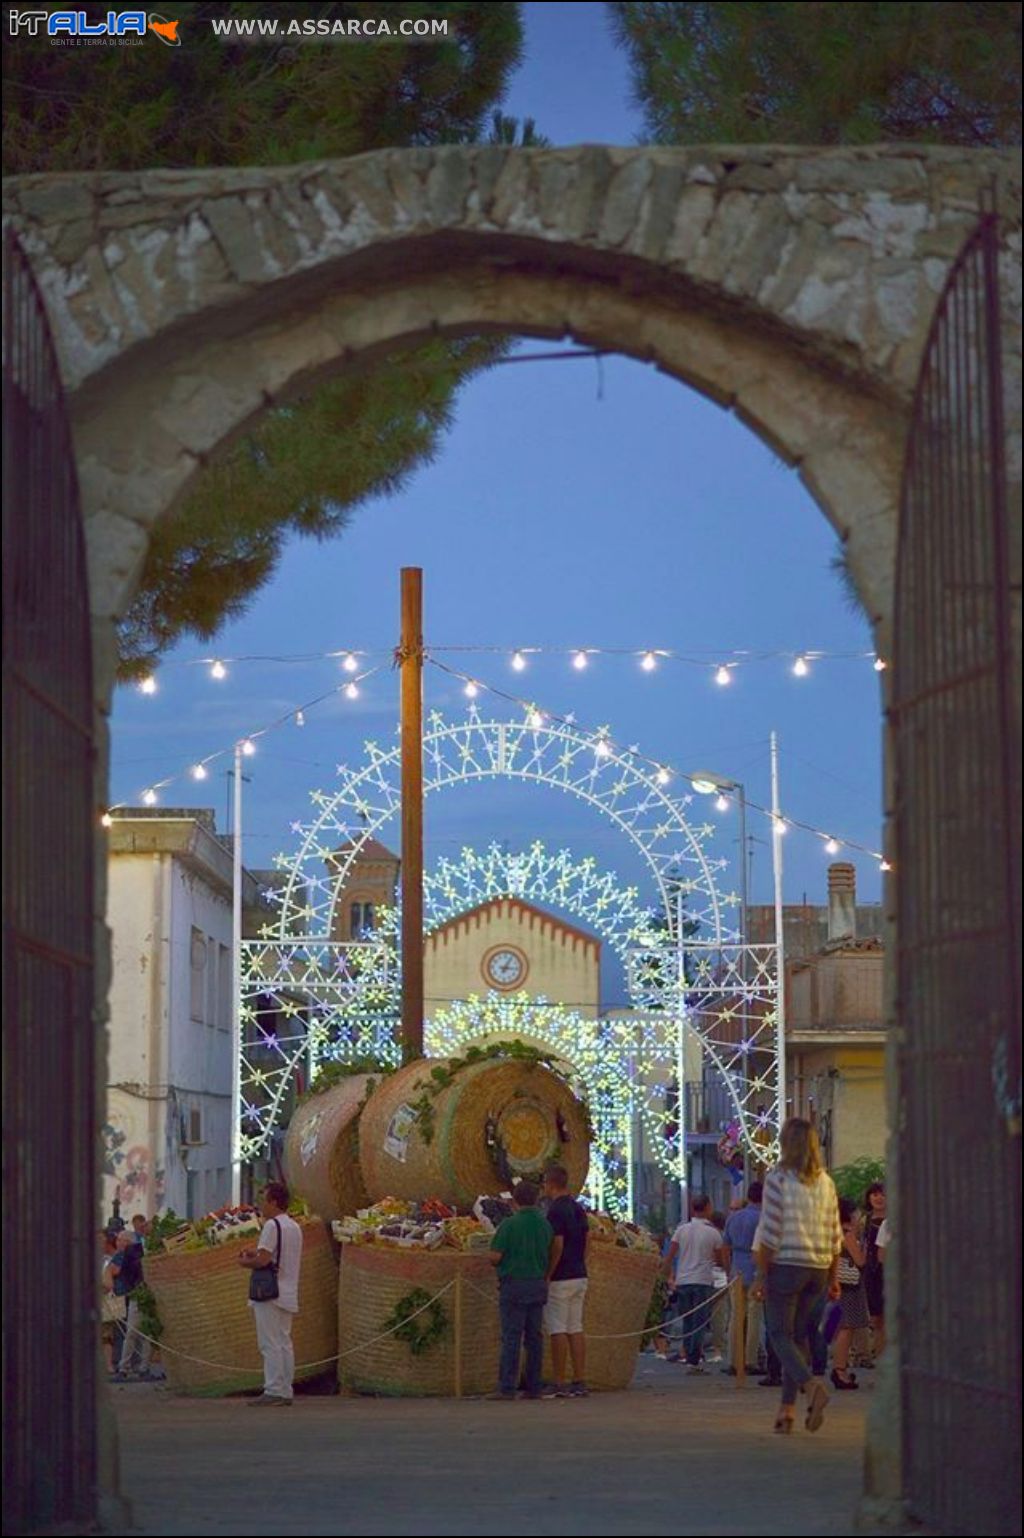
374, 1279
618, 1297
321, 1150
202, 1299
499, 1119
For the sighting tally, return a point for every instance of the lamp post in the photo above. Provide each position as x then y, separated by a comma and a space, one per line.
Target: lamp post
707, 784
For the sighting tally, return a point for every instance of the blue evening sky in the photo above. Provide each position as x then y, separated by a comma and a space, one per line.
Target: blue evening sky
573, 505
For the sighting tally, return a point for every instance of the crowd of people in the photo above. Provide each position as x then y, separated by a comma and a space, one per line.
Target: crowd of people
791, 1272
805, 1272
122, 1279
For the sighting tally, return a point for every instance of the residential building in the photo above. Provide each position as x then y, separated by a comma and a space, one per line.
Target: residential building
168, 1132
835, 1024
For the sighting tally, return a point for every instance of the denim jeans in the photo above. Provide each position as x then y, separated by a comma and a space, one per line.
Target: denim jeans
521, 1307
792, 1294
694, 1299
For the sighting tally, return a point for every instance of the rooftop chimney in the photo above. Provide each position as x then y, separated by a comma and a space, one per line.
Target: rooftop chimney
842, 902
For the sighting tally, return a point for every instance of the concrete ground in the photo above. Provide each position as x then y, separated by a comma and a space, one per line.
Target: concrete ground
673, 1455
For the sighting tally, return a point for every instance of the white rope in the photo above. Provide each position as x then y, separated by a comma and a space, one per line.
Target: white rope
651, 1329
324, 1361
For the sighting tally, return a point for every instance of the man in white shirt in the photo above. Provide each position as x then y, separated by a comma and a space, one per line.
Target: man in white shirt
695, 1251
280, 1245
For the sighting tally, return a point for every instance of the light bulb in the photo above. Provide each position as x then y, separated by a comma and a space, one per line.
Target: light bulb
579, 661
880, 664
780, 824
518, 661
723, 675
831, 846
883, 864
536, 719
352, 691
106, 820
149, 798
199, 771
648, 662
662, 776
248, 747
350, 662
218, 670
300, 718
603, 749
800, 667
722, 803
147, 685
471, 690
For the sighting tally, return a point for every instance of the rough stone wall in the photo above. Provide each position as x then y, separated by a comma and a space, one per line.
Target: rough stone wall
795, 286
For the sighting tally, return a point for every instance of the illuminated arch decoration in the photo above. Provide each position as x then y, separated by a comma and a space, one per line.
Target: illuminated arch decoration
614, 781
586, 1050
332, 999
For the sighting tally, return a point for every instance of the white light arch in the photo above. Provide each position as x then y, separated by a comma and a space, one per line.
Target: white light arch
343, 996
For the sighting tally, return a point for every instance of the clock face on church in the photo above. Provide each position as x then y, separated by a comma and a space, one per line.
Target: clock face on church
505, 967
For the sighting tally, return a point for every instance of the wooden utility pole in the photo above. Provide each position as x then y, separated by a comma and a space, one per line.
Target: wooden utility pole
411, 662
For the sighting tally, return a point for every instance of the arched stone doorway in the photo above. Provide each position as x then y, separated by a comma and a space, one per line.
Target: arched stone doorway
795, 287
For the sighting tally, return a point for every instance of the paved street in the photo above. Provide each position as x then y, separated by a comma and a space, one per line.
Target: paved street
675, 1455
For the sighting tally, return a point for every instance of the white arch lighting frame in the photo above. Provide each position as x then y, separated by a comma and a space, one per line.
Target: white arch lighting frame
340, 999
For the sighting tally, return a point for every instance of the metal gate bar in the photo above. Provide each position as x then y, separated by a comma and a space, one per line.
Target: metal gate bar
51, 1252
957, 759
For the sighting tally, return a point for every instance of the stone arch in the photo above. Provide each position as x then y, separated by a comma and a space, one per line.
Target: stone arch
793, 286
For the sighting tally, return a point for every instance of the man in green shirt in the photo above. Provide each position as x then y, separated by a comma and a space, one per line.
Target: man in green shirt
521, 1250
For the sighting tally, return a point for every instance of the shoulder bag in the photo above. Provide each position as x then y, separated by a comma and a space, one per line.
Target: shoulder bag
263, 1279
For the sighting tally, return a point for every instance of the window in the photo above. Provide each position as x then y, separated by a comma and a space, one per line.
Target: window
224, 986
210, 1015
361, 920
197, 960
195, 1126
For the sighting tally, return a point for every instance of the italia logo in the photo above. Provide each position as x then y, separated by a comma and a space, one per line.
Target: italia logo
118, 25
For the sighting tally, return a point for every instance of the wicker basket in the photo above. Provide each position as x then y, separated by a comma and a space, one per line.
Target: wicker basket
202, 1299
523, 1108
374, 1279
617, 1302
321, 1151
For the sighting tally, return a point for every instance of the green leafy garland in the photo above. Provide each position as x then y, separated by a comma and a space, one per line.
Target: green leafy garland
423, 1331
333, 1073
443, 1075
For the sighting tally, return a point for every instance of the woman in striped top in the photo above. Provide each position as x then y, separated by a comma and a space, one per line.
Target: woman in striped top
799, 1241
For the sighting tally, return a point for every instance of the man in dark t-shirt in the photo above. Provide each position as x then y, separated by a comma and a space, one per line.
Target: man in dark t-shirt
567, 1285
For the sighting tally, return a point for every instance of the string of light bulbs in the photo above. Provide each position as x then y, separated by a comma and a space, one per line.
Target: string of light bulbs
200, 769
604, 747
723, 665
473, 686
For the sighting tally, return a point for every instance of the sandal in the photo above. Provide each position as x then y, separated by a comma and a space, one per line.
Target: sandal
817, 1399
783, 1425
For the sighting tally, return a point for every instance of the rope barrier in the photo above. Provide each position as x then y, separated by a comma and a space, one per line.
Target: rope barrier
652, 1329
324, 1361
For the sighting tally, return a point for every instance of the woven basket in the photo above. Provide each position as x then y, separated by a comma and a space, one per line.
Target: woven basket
202, 1299
374, 1279
321, 1151
527, 1108
617, 1301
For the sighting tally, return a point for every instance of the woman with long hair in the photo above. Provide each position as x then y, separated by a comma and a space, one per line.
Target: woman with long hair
799, 1240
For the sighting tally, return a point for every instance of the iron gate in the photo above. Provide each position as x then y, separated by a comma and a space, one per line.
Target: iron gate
50, 1252
957, 761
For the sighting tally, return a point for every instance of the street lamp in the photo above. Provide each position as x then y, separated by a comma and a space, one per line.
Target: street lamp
707, 784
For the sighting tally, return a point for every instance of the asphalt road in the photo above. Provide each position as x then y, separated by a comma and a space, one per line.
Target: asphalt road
673, 1455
